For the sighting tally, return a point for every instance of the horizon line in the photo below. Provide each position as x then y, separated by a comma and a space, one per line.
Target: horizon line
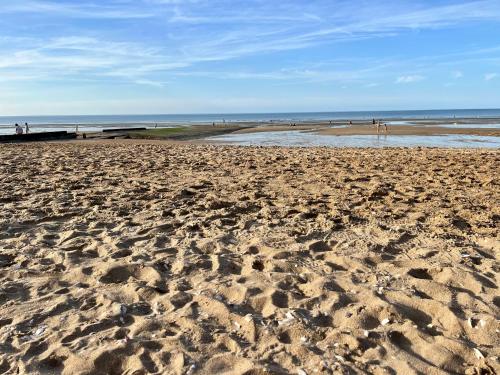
259, 113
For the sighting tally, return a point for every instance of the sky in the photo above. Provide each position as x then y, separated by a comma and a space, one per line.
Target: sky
228, 56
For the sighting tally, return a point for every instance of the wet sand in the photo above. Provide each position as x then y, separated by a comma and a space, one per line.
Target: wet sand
369, 129
147, 257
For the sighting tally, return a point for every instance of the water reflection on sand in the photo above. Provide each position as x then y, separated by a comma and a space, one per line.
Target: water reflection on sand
310, 139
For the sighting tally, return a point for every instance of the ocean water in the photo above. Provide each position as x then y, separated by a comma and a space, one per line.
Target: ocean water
96, 123
312, 139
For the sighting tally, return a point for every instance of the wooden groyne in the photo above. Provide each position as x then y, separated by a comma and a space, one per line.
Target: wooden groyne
37, 137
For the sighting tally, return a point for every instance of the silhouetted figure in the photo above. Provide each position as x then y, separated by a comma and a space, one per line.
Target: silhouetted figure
27, 127
19, 129
373, 121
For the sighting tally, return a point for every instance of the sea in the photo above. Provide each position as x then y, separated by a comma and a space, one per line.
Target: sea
98, 123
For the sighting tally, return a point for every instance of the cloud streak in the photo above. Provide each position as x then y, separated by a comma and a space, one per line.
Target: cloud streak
410, 79
490, 76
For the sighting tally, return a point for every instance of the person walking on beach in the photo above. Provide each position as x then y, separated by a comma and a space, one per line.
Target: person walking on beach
27, 127
378, 126
19, 129
385, 127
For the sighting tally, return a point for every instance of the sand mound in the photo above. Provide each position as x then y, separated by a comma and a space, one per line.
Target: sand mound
166, 259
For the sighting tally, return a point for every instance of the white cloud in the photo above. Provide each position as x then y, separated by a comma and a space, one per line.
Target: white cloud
490, 76
457, 74
91, 11
410, 78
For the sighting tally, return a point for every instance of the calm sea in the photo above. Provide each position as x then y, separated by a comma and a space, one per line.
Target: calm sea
97, 123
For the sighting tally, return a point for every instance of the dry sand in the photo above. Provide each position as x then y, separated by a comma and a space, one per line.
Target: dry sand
137, 258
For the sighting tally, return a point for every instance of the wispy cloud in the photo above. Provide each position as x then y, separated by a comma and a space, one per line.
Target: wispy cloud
410, 79
457, 74
69, 9
490, 76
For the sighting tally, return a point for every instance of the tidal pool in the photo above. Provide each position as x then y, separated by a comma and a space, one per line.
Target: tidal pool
310, 139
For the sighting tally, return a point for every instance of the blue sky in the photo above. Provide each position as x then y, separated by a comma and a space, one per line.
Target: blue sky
202, 56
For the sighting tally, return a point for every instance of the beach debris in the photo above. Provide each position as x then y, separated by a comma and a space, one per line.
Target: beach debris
249, 318
191, 369
301, 372
125, 340
385, 321
477, 353
40, 331
339, 358
158, 308
123, 313
476, 323
289, 318
366, 333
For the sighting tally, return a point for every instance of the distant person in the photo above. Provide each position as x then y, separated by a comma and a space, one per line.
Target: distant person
385, 127
19, 129
156, 125
373, 121
213, 124
378, 126
350, 123
27, 127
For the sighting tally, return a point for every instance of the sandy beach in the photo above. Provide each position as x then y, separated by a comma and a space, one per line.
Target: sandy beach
142, 257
